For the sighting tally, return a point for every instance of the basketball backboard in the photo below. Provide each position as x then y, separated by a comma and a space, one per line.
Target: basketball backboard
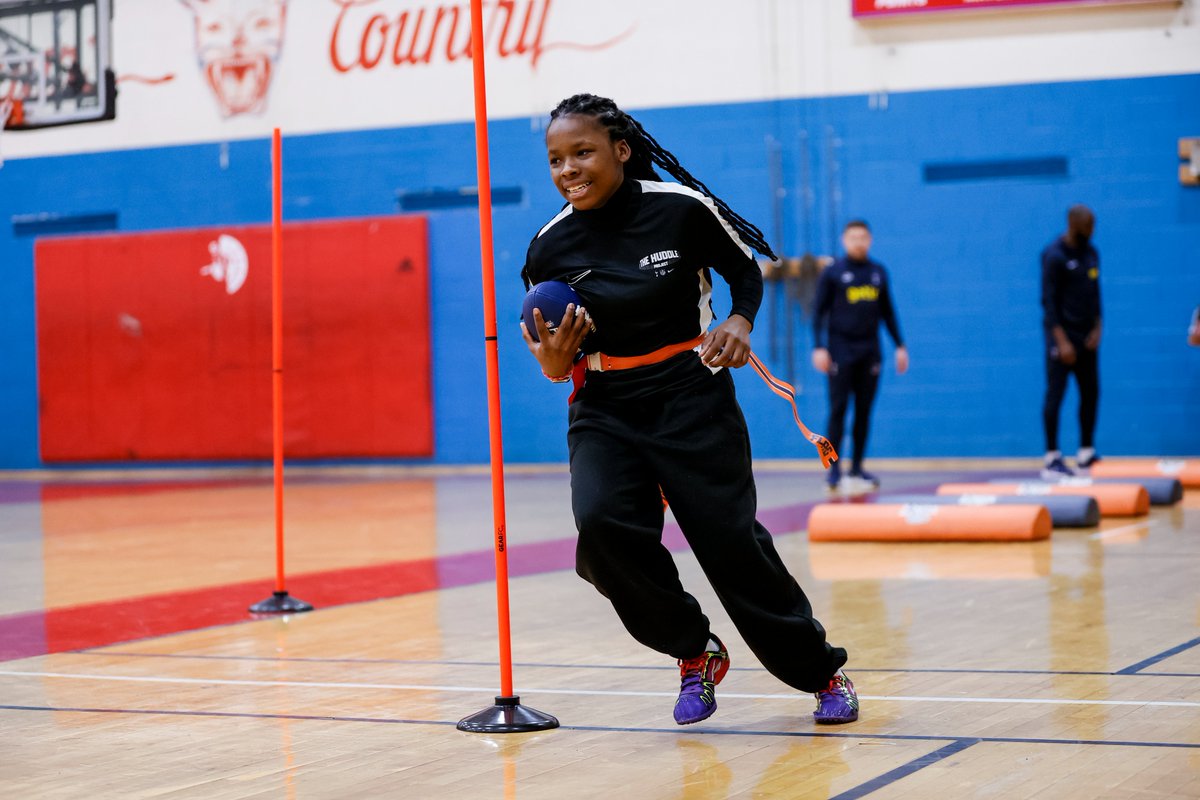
55, 62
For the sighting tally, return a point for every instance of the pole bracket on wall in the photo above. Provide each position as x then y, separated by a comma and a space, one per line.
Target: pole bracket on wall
1189, 154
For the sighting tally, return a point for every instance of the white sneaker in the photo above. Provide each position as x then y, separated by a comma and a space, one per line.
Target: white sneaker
1056, 470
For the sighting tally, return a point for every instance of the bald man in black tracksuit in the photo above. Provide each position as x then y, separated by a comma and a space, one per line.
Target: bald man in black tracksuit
1071, 321
853, 297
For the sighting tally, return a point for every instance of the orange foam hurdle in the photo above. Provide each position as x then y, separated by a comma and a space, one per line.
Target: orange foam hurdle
1186, 470
1114, 499
878, 522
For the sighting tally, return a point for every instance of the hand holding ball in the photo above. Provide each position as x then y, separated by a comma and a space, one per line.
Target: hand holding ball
552, 299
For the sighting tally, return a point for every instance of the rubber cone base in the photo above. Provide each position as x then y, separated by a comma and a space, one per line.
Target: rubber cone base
507, 716
280, 603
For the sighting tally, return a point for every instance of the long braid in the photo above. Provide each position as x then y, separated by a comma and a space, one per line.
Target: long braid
645, 152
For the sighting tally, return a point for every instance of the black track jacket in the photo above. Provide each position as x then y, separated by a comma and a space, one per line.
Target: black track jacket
640, 264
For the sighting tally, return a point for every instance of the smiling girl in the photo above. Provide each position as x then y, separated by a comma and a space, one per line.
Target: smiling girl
656, 417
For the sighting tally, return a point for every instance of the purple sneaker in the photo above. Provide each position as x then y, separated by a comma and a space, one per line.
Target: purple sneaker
838, 703
697, 692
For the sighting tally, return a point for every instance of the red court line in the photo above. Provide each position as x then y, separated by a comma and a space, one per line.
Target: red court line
58, 630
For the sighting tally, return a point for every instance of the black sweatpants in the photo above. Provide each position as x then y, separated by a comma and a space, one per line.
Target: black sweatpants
1087, 378
857, 375
693, 443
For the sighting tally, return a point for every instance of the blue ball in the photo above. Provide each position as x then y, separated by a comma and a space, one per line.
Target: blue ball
552, 299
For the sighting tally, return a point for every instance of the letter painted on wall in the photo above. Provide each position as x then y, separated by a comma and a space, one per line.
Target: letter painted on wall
368, 34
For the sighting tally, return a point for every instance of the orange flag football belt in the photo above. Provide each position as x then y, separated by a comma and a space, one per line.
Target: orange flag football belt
788, 392
599, 362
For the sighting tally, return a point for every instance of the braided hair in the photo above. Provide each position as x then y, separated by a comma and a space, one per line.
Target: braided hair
646, 152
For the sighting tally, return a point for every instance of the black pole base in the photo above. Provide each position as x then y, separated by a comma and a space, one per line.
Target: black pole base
280, 603
507, 716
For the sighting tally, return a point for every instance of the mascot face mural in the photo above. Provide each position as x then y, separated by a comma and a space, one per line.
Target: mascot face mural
238, 43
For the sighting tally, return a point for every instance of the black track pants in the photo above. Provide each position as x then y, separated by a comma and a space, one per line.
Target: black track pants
1087, 378
693, 443
858, 377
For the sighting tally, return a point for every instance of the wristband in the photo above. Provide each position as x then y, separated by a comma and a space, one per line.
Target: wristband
560, 379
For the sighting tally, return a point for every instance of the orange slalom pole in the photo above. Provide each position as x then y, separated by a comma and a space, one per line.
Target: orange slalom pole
507, 716
277, 346
491, 343
279, 602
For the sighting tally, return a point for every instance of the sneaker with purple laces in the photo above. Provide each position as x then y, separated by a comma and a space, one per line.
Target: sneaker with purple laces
838, 703
699, 677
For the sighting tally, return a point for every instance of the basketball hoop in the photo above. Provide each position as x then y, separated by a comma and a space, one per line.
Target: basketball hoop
6, 110
12, 113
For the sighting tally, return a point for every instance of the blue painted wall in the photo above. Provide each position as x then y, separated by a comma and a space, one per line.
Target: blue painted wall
963, 254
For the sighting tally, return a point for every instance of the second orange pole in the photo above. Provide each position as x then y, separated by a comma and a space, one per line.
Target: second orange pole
279, 602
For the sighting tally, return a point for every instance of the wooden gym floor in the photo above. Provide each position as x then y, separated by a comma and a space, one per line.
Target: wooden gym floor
129, 667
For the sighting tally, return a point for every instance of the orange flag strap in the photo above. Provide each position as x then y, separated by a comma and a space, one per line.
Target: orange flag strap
782, 388
788, 392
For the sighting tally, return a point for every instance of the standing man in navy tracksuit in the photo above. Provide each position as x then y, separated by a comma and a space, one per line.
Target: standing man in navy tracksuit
853, 297
1071, 320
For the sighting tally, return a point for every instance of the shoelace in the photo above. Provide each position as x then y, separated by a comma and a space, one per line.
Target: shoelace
838, 688
693, 684
692, 671
837, 685
689, 665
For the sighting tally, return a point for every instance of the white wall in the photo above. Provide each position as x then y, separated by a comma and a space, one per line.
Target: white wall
643, 53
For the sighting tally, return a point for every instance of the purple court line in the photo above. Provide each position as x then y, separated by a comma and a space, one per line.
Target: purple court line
20, 492
902, 737
1137, 668
904, 770
23, 634
644, 667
